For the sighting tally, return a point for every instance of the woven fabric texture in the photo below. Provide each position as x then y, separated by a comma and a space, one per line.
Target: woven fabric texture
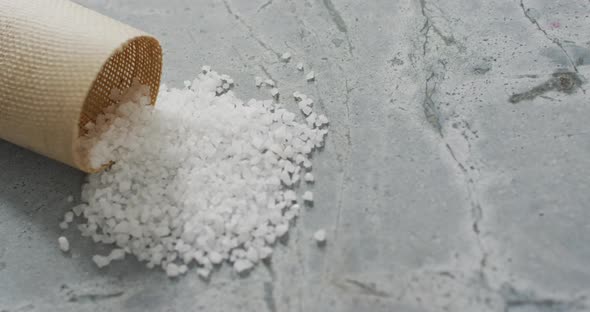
58, 64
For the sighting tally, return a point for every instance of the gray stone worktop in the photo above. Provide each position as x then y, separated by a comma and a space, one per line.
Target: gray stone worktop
456, 176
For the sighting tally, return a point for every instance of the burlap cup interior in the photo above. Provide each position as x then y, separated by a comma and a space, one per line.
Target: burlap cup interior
140, 58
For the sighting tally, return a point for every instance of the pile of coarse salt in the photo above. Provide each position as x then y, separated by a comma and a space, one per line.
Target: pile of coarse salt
200, 179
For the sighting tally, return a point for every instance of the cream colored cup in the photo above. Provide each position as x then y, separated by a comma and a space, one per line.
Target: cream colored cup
58, 64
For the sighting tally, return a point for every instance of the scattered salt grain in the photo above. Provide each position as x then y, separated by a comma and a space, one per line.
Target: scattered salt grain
322, 120
300, 66
70, 199
310, 76
298, 95
117, 254
204, 273
77, 210
307, 196
269, 82
252, 255
311, 119
202, 178
258, 81
242, 265
306, 110
101, 261
282, 229
69, 217
308, 177
172, 270
320, 236
286, 57
274, 92
215, 257
264, 252
64, 244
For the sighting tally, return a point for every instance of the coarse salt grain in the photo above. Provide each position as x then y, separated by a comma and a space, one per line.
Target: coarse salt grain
307, 196
286, 57
64, 244
300, 66
202, 177
274, 92
117, 254
310, 76
69, 217
320, 236
101, 261
242, 265
204, 273
269, 82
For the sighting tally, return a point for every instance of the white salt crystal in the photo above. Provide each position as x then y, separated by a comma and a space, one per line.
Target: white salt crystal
298, 95
307, 101
299, 159
282, 229
286, 57
320, 236
252, 255
311, 119
203, 176
172, 270
265, 252
269, 82
290, 196
306, 110
204, 273
285, 178
295, 209
300, 66
258, 81
117, 254
289, 167
295, 178
270, 238
215, 257
242, 265
69, 217
308, 177
310, 76
322, 120
274, 92
64, 244
101, 261
307, 196
288, 117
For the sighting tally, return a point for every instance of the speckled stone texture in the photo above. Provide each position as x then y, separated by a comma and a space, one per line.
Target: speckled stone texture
456, 176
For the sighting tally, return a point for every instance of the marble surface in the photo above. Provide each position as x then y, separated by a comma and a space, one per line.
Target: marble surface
455, 177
